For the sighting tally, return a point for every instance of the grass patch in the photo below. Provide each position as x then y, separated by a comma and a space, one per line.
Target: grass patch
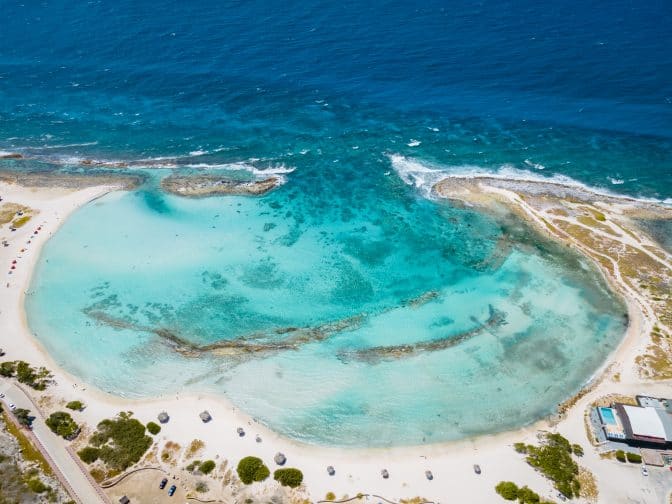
28, 450
20, 221
589, 489
194, 448
9, 210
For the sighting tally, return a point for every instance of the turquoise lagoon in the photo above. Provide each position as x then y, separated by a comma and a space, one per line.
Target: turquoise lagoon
408, 320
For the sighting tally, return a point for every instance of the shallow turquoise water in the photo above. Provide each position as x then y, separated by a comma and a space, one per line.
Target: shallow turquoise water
396, 269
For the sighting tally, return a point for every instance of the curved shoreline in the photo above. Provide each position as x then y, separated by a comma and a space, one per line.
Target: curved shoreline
440, 455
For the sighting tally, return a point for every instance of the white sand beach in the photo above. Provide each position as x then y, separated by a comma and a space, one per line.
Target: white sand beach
357, 470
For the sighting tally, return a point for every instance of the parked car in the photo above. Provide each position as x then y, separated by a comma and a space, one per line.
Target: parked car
2, 396
171, 490
163, 483
562, 497
645, 471
12, 406
477, 469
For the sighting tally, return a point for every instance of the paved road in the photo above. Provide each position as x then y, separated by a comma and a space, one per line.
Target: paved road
68, 469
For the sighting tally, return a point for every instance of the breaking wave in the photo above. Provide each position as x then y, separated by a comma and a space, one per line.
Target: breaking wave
423, 176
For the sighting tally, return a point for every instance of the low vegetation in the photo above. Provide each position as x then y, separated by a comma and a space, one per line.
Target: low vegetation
330, 496
289, 477
121, 442
634, 458
553, 459
89, 454
23, 417
20, 221
75, 405
251, 469
153, 428
61, 423
205, 467
36, 378
508, 490
28, 450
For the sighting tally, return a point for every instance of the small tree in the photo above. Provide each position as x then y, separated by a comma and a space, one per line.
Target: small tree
251, 469
289, 477
577, 450
620, 455
507, 489
23, 417
61, 423
207, 467
153, 428
75, 405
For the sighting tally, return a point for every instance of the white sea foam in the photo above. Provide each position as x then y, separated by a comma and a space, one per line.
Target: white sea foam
616, 181
424, 176
536, 166
196, 153
414, 142
60, 146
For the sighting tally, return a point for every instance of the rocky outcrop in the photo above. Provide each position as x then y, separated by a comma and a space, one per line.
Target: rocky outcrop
198, 186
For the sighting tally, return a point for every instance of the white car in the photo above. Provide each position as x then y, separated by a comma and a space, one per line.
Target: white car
645, 471
2, 396
12, 406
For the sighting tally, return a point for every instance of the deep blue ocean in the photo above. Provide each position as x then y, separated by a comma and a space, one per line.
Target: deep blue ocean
584, 90
349, 103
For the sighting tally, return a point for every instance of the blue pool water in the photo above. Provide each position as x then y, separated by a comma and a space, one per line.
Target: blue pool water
329, 275
607, 415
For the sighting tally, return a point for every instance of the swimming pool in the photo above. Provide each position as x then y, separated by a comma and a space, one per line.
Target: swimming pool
607, 415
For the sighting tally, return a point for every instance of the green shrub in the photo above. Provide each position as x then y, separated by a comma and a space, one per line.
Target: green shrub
330, 496
577, 450
620, 455
507, 489
554, 460
89, 454
37, 486
634, 458
207, 467
121, 441
61, 423
75, 405
520, 447
251, 469
153, 428
7, 369
527, 496
201, 487
289, 477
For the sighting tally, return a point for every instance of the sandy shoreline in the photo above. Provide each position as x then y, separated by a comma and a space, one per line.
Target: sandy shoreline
357, 470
